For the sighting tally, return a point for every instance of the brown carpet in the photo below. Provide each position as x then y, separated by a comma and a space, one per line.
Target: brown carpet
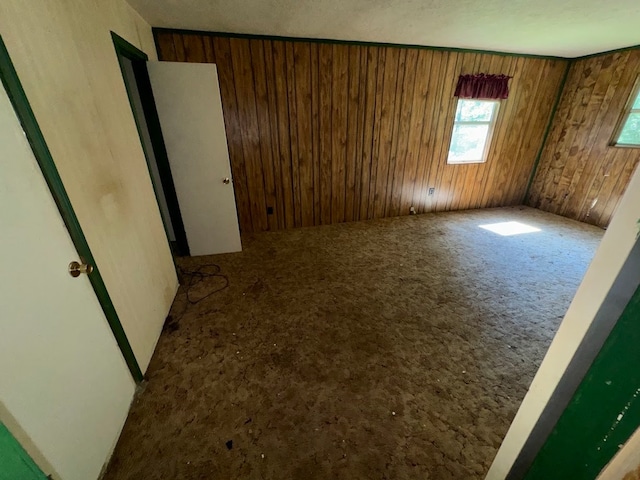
391, 349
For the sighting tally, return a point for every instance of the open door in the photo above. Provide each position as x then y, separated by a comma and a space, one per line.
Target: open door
187, 97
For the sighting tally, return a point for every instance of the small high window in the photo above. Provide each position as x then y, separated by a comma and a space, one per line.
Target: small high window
472, 130
628, 133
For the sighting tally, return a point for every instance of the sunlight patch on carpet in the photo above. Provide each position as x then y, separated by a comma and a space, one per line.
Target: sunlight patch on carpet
506, 229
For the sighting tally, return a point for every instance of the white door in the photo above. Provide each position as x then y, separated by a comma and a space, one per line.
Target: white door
63, 379
187, 97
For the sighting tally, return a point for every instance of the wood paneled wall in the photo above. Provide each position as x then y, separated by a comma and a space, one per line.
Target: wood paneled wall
580, 176
325, 133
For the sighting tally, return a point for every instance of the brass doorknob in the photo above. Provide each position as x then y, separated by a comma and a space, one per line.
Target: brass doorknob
226, 180
75, 268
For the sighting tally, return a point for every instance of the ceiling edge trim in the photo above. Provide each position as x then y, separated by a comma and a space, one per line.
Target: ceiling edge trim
606, 52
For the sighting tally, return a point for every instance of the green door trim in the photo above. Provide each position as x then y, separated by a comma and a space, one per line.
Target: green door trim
16, 462
596, 405
43, 156
139, 60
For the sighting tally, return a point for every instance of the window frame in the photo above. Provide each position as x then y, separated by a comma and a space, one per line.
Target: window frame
491, 124
628, 110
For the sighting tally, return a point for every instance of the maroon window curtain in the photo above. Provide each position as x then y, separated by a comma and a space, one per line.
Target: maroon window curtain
483, 87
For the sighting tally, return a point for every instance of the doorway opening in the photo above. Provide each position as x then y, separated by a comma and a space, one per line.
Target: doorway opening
133, 64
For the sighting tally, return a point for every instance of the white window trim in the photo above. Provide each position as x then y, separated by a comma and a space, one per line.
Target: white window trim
492, 127
628, 110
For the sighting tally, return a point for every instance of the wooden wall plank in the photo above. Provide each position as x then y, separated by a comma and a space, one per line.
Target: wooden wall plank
325, 54
233, 130
368, 129
302, 64
406, 90
284, 139
250, 133
351, 158
326, 133
360, 126
392, 76
264, 129
509, 135
414, 131
178, 48
580, 175
293, 133
376, 136
532, 74
396, 136
570, 147
597, 148
339, 98
194, 48
272, 96
508, 66
577, 161
315, 130
537, 125
429, 166
165, 47
565, 138
209, 52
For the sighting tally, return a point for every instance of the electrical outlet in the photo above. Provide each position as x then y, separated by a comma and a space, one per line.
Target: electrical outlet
432, 191
412, 211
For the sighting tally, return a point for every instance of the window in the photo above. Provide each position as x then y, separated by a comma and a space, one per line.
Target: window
628, 133
472, 130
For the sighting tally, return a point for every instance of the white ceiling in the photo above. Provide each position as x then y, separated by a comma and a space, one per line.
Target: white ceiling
566, 28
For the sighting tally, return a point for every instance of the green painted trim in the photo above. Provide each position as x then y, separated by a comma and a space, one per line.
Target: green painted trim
606, 52
16, 462
139, 59
604, 411
157, 30
41, 151
127, 49
546, 133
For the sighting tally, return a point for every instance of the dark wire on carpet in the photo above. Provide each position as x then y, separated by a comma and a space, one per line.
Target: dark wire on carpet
191, 278
194, 277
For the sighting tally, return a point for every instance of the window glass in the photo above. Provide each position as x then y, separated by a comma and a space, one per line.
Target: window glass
468, 142
630, 133
472, 129
474, 111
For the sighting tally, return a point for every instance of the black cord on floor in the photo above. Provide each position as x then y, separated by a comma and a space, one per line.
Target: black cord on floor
194, 277
191, 278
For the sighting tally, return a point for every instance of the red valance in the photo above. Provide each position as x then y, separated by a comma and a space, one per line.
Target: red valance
483, 86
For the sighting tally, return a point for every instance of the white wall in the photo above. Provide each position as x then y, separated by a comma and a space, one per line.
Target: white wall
64, 56
614, 249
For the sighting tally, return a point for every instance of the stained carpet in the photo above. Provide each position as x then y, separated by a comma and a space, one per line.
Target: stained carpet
389, 349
